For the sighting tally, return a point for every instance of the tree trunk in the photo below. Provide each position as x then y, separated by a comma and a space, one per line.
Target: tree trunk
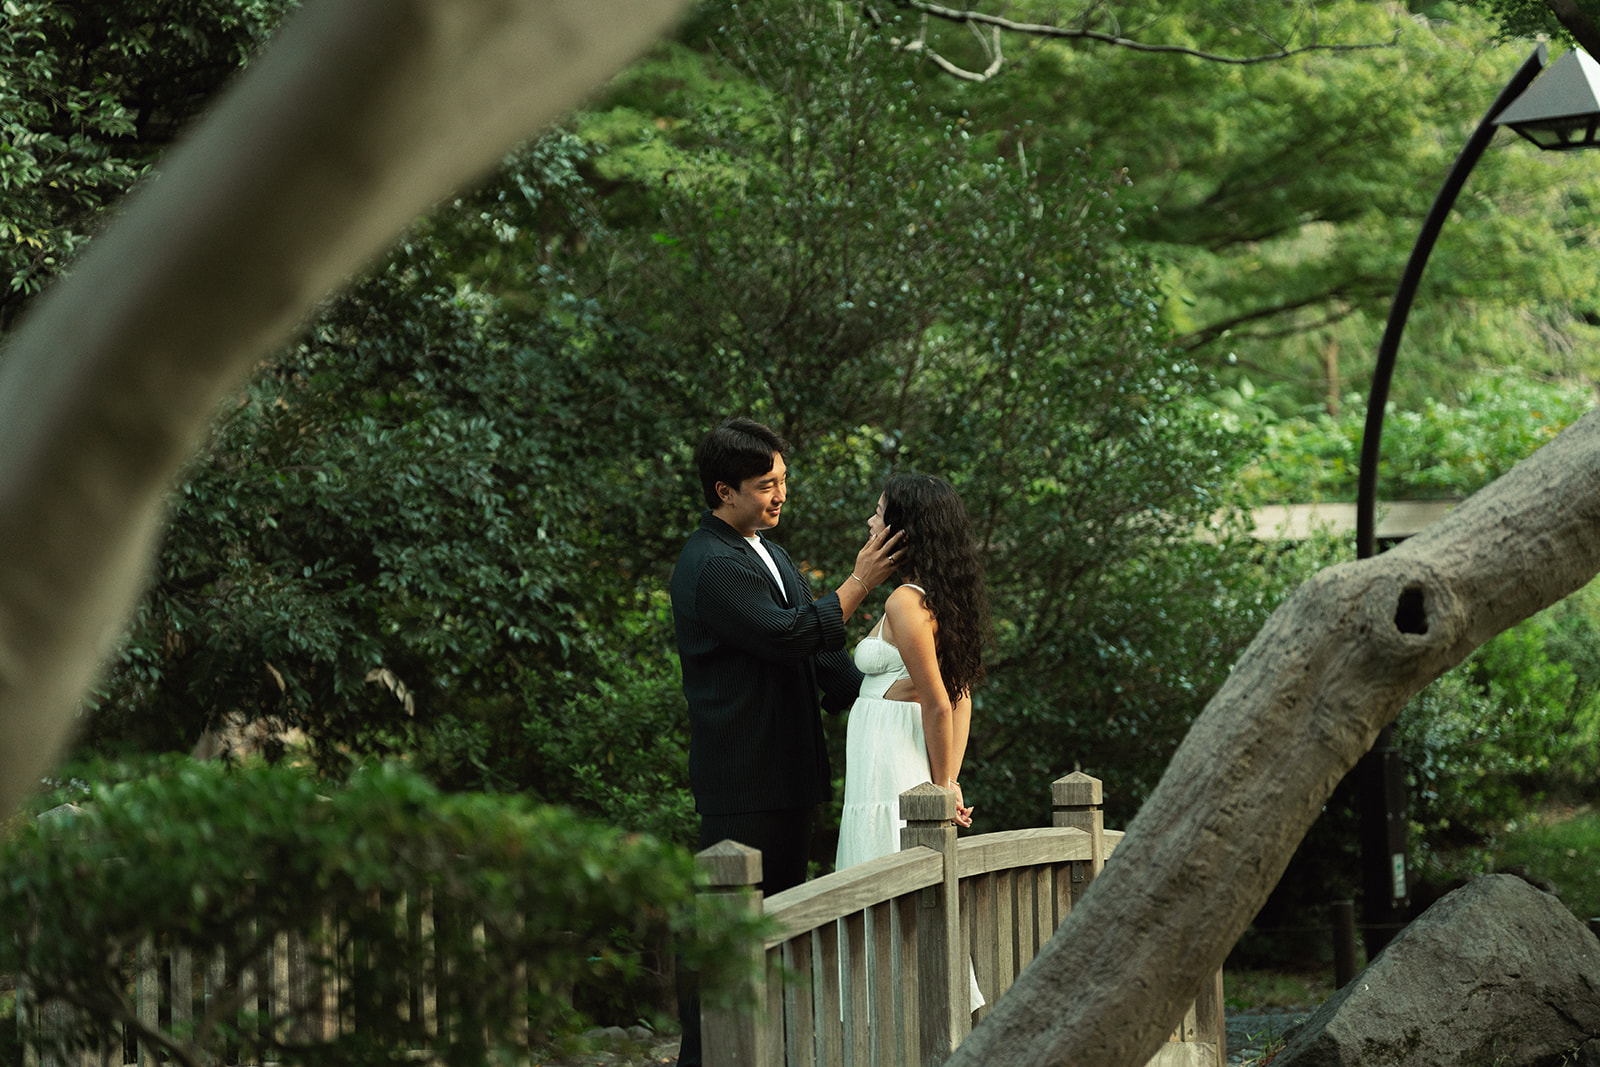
360, 115
1330, 374
1331, 667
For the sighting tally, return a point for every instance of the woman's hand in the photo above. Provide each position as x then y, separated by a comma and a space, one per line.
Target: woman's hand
963, 812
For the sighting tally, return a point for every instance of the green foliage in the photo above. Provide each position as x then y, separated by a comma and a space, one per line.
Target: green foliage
441, 523
1530, 19
1287, 196
528, 900
618, 747
1468, 761
1445, 449
1519, 717
1557, 847
90, 95
1513, 724
398, 525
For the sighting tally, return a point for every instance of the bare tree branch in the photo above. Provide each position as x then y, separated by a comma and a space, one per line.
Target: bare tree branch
1080, 33
1204, 336
920, 47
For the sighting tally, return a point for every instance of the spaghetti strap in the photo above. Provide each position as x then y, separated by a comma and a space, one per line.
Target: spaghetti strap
915, 586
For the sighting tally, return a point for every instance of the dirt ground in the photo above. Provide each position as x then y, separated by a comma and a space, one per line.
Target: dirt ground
613, 1050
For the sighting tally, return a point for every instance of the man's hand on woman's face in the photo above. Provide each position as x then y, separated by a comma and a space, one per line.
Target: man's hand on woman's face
880, 556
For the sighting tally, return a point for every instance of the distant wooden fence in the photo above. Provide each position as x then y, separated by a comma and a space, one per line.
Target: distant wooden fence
306, 990
869, 965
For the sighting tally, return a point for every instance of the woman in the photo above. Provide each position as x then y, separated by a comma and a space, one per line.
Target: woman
911, 721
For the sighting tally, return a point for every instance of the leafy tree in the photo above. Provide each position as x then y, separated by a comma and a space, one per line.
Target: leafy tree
396, 532
387, 507
1286, 196
388, 547
1562, 20
91, 94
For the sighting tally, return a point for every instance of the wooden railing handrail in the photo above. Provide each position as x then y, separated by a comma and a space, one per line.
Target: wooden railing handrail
1005, 849
831, 897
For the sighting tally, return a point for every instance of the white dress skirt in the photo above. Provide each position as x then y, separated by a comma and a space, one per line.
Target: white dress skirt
885, 754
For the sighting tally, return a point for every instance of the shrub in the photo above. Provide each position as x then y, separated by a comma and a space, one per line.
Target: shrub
529, 900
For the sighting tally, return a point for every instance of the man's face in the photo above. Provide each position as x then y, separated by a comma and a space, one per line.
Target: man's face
756, 503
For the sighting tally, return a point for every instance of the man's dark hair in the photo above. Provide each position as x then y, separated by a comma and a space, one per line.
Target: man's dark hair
734, 451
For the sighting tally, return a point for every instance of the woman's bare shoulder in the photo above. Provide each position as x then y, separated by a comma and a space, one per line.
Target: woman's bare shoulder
908, 601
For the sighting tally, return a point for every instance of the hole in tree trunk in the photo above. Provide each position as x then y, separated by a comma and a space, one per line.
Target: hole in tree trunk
1411, 616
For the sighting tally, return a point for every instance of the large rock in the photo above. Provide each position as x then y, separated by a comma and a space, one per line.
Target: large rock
1497, 974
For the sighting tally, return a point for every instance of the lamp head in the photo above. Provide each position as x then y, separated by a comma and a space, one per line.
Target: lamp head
1561, 110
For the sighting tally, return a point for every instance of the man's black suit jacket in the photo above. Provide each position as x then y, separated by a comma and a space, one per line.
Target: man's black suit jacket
752, 668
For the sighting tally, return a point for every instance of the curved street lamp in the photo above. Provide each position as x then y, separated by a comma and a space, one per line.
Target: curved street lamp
1561, 112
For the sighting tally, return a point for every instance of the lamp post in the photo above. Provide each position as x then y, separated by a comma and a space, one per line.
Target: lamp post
1561, 112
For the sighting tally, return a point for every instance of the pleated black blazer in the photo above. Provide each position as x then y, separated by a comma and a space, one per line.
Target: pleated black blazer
753, 668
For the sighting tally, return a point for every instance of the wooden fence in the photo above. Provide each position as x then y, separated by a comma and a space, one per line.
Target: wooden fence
290, 989
869, 965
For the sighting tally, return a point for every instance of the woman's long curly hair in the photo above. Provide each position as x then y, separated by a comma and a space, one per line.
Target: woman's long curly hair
942, 557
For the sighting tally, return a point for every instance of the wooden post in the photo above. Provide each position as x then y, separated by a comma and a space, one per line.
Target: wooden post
28, 1023
182, 988
943, 1012
1075, 801
737, 1037
147, 996
216, 991
1210, 1015
1344, 942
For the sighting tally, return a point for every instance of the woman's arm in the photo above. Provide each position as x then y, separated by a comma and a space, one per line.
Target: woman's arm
961, 727
915, 629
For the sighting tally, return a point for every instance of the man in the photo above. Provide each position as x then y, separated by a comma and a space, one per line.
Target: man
755, 650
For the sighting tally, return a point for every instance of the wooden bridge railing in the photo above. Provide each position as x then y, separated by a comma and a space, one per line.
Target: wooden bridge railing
869, 965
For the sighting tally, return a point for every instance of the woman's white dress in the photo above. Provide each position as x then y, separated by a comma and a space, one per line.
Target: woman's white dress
885, 754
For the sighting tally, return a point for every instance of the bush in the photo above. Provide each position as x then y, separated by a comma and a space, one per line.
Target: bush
530, 900
1445, 450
